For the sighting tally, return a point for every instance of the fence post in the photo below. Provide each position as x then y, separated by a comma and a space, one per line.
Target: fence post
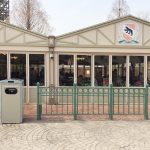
39, 106
146, 103
110, 109
75, 101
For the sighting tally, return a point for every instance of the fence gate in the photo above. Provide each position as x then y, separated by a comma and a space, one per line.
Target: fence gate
77, 101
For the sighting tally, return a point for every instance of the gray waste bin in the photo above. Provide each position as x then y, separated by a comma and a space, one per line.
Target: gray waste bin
11, 101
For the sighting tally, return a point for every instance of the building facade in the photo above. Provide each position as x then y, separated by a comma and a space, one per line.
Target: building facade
116, 52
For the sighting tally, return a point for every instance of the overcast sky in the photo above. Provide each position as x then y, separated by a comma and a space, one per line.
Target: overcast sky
69, 15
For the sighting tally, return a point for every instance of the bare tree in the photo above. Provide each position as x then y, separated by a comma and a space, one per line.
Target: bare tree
28, 14
120, 8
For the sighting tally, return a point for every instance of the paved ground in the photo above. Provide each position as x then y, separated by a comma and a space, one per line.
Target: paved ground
30, 115
76, 135
63, 133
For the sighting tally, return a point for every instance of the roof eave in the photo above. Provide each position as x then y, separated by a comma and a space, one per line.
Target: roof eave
103, 24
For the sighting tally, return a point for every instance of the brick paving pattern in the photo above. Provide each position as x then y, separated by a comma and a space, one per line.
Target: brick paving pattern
63, 133
30, 113
76, 135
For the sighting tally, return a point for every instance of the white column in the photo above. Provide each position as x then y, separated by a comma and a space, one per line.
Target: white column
110, 69
52, 69
92, 71
47, 72
55, 67
145, 70
127, 71
75, 69
27, 78
8, 66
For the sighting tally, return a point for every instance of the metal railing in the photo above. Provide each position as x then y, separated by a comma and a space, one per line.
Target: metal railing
76, 100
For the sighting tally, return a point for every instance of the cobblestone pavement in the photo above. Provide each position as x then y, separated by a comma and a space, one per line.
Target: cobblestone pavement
76, 135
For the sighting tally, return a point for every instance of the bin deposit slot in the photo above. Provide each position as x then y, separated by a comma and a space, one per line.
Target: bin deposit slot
10, 81
11, 91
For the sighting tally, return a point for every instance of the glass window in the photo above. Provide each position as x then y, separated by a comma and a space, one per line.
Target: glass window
66, 70
18, 66
83, 70
101, 71
37, 69
136, 71
119, 70
148, 70
3, 66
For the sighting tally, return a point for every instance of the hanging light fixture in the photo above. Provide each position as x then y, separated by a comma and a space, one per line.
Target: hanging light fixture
88, 72
14, 57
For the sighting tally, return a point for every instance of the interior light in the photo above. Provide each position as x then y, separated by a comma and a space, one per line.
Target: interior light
87, 72
14, 57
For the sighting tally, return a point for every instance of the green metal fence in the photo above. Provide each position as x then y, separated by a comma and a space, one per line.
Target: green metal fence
77, 100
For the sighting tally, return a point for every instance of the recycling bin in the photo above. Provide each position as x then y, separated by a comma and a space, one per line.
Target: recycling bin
11, 101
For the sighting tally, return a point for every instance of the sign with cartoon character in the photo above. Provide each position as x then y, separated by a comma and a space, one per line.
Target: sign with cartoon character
129, 33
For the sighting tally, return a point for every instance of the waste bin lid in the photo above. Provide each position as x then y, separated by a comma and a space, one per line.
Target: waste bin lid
14, 81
